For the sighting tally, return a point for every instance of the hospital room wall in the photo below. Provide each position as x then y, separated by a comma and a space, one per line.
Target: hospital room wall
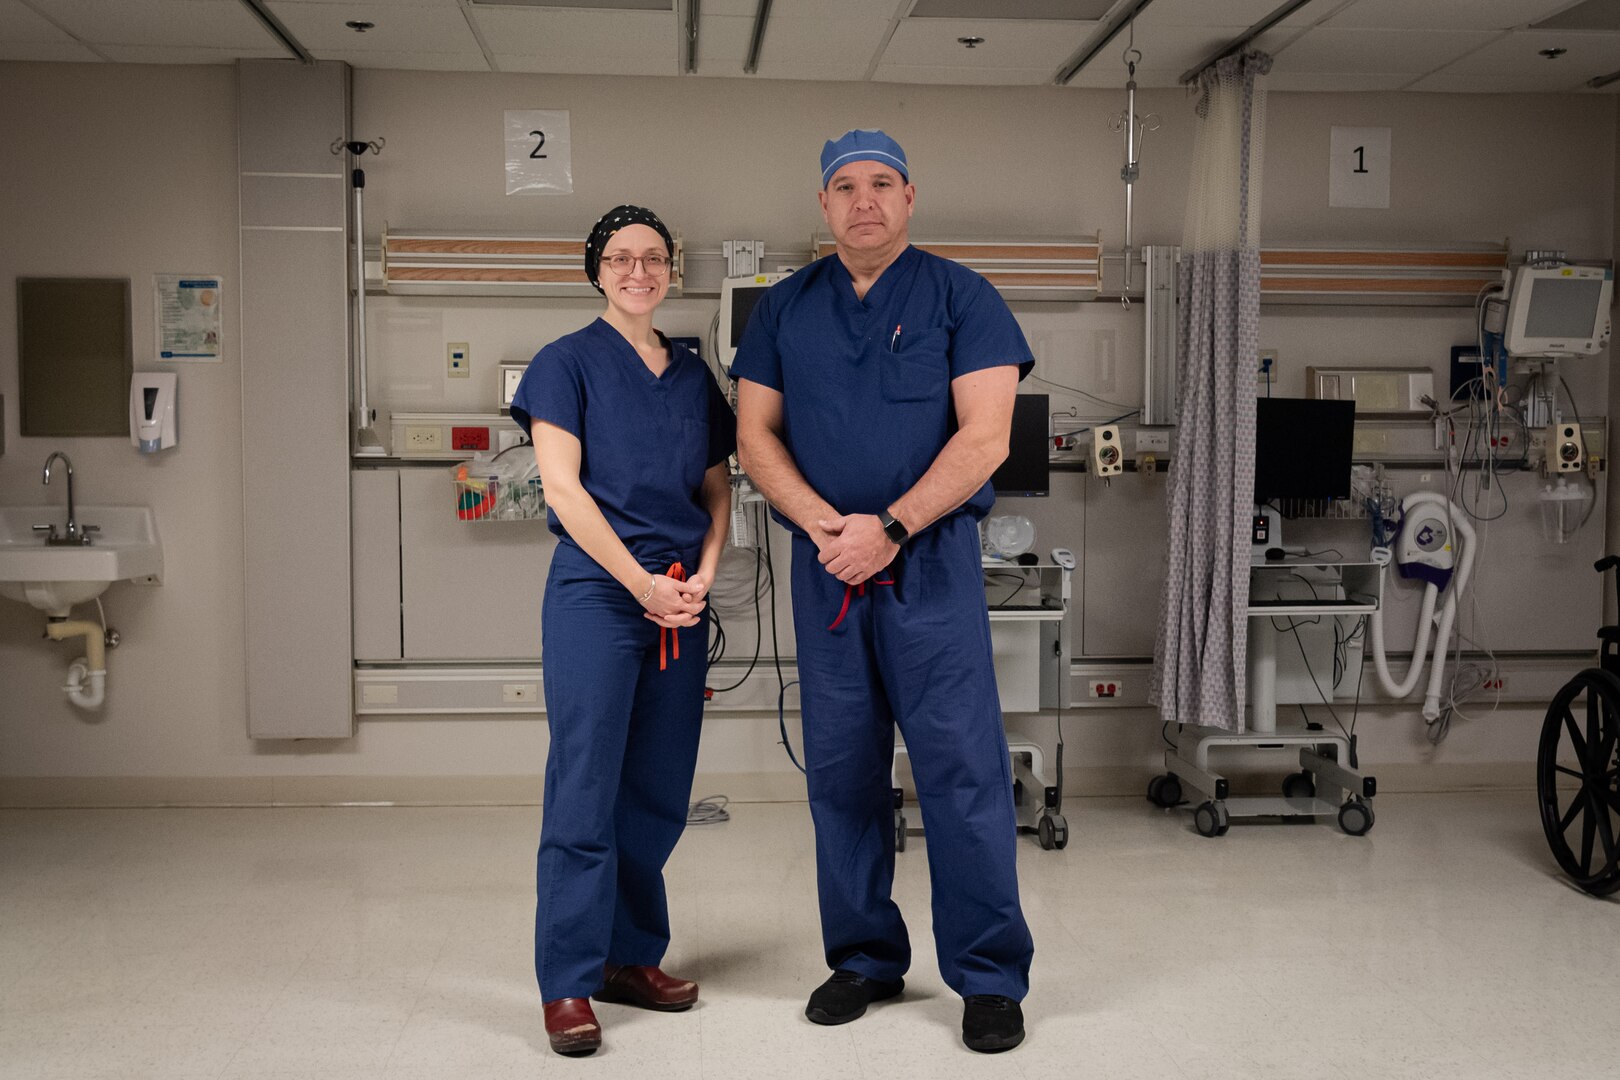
131, 171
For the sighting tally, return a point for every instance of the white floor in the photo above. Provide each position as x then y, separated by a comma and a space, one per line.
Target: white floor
362, 944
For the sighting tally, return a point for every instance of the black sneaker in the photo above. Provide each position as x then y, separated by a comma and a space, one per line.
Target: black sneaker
845, 996
991, 1023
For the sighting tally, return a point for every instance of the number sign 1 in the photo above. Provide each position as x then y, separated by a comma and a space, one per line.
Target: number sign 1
1358, 168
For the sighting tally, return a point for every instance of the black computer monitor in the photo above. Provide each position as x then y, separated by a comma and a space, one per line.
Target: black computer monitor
1302, 448
1027, 470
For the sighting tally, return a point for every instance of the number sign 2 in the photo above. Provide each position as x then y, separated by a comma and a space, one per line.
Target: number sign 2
537, 152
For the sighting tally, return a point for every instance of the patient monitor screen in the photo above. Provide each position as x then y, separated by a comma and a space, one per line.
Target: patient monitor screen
742, 306
1302, 448
1562, 308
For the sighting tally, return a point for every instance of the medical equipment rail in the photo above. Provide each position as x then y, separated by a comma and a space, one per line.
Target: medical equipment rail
1578, 760
1327, 783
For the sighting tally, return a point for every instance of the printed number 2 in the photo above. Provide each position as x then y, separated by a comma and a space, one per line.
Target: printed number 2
535, 153
1360, 152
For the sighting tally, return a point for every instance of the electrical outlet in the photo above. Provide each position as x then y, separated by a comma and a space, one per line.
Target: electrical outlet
519, 693
1268, 364
424, 438
1152, 441
1105, 688
1496, 685
458, 360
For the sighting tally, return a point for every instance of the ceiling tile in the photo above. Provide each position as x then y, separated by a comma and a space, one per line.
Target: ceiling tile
1007, 44
1377, 52
844, 43
805, 9
1588, 15
1515, 62
66, 50
399, 28
1443, 14
1169, 51
413, 61
960, 76
1022, 10
19, 23
1244, 13
1338, 82
575, 42
188, 54
216, 24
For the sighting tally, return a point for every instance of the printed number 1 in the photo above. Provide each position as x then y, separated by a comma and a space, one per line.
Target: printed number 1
1361, 162
535, 153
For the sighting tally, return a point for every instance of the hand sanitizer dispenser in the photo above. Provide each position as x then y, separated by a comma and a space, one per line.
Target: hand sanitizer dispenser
151, 411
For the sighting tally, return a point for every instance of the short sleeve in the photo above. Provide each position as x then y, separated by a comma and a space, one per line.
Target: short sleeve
722, 424
987, 335
758, 358
551, 390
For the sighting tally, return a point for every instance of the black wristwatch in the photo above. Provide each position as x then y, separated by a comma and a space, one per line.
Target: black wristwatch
892, 528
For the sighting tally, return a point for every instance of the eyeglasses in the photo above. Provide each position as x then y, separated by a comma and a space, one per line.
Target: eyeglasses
622, 264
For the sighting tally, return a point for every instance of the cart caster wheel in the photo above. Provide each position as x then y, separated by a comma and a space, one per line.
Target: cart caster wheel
1355, 818
1060, 831
899, 831
1046, 833
1300, 785
1164, 790
1211, 819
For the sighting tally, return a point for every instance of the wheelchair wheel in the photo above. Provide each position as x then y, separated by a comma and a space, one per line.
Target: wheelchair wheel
1578, 780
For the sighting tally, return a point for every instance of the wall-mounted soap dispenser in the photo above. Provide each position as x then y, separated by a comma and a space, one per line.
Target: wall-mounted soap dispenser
151, 410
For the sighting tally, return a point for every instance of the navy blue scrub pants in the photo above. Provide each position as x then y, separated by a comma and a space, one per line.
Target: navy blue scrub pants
914, 654
624, 742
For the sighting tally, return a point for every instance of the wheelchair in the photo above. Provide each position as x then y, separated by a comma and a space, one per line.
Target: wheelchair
1578, 767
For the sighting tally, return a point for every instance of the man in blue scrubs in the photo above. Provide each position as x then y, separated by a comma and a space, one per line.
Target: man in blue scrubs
875, 399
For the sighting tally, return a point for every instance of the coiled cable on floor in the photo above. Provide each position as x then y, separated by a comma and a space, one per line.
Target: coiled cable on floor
709, 810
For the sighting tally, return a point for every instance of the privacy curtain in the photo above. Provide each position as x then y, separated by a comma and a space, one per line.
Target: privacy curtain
1199, 652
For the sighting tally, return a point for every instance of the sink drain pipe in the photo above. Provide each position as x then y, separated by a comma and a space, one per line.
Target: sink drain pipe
86, 683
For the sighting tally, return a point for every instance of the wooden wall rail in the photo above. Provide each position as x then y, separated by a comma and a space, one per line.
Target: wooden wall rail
491, 265
1367, 275
1046, 270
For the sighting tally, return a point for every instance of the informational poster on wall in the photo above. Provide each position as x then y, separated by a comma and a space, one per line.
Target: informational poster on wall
188, 319
1358, 168
538, 152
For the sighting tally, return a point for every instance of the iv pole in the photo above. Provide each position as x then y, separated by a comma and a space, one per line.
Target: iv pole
1136, 129
367, 442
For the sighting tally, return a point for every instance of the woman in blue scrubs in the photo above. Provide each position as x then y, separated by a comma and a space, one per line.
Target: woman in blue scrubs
632, 434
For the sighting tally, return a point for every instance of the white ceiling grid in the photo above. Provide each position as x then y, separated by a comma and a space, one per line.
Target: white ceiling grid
1456, 46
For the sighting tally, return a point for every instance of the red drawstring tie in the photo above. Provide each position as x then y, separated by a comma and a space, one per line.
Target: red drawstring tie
857, 590
676, 572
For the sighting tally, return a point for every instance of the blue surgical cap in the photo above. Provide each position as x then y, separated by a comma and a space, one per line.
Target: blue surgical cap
861, 144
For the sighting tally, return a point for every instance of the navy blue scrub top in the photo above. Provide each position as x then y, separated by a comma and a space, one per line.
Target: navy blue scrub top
865, 383
645, 440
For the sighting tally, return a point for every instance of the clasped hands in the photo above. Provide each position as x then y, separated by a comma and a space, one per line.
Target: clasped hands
854, 547
674, 604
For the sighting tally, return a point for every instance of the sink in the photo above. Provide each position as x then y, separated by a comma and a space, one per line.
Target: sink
55, 577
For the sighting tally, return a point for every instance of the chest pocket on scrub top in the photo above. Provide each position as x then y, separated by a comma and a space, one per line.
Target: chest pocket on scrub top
918, 370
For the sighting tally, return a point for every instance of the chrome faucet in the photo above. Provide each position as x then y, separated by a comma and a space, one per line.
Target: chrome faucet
74, 535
